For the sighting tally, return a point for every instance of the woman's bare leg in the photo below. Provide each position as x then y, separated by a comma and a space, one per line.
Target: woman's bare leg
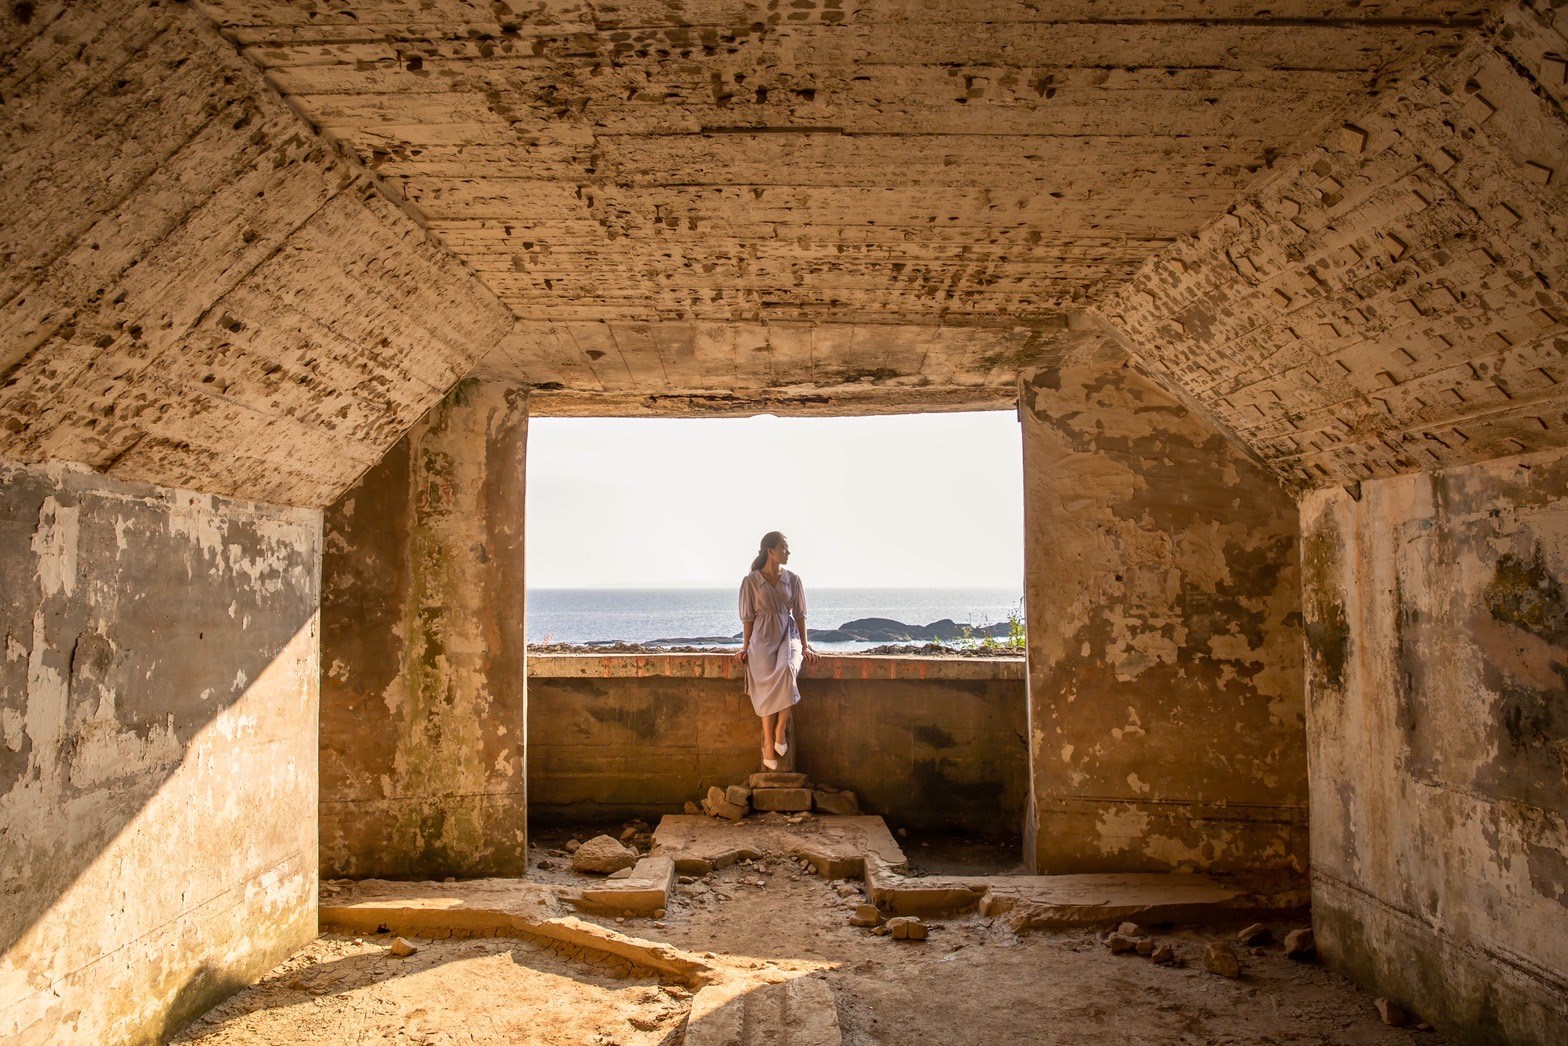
767, 736
781, 728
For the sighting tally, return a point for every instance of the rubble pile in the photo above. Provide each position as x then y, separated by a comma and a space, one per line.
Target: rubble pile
772, 792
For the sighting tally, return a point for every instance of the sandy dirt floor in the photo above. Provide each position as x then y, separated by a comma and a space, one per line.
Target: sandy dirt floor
973, 981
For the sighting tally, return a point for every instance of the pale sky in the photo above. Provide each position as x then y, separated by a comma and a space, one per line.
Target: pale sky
908, 501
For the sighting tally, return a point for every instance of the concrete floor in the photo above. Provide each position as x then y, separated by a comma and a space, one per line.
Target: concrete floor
972, 981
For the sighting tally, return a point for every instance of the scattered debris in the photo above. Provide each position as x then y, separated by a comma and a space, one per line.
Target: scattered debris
1220, 958
865, 915
601, 855
1122, 944
907, 928
401, 948
1257, 933
1300, 945
1163, 955
1393, 1014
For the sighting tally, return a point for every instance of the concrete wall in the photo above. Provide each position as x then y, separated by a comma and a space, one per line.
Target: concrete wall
158, 692
423, 704
1165, 682
923, 742
1438, 719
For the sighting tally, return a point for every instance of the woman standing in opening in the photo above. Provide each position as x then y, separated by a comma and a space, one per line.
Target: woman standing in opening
773, 614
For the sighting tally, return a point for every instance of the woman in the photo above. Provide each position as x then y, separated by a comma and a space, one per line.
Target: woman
773, 614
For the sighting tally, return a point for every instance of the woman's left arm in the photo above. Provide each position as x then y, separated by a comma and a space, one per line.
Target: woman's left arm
800, 621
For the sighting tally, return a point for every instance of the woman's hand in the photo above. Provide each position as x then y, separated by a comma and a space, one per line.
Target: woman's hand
740, 655
812, 657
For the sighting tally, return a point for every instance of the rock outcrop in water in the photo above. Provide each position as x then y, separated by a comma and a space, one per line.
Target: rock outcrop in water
861, 630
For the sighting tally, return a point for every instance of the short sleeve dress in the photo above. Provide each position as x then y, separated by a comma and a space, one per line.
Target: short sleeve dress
776, 648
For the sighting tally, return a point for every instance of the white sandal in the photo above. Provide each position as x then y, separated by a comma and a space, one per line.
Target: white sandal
771, 764
780, 747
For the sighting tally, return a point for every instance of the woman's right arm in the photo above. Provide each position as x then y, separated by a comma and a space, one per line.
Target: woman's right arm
748, 614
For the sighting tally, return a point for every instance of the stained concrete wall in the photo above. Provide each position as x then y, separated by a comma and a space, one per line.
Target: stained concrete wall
423, 702
1438, 716
1165, 681
158, 694
924, 742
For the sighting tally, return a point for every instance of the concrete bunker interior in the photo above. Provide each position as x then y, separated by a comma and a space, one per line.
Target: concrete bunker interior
1279, 295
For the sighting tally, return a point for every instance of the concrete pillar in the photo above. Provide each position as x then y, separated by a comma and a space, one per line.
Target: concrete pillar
424, 706
1166, 719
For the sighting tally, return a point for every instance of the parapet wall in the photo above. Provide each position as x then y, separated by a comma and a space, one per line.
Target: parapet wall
927, 742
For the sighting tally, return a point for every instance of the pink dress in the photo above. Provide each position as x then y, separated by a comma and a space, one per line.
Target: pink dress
776, 649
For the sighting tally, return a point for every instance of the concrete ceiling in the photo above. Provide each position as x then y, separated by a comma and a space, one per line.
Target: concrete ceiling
247, 242
706, 205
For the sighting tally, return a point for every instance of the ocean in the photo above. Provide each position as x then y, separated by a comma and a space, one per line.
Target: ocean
641, 615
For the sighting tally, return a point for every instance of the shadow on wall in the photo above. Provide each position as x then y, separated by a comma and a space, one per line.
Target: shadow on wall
157, 785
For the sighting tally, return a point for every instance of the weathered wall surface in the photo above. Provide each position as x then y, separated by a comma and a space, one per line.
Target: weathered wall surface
158, 691
932, 744
1437, 672
1165, 680
198, 289
423, 703
1397, 298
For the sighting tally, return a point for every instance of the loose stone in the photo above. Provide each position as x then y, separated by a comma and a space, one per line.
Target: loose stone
907, 928
1257, 933
601, 855
1121, 944
1163, 955
865, 915
1220, 958
401, 948
1299, 944
1393, 1014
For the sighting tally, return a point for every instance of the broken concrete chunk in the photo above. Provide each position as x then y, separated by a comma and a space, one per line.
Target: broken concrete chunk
778, 780
1257, 933
1299, 944
601, 855
401, 948
716, 805
1219, 957
740, 795
1122, 944
1145, 947
907, 928
692, 808
843, 803
572, 845
865, 915
1393, 1014
1130, 929
1163, 955
621, 873
785, 799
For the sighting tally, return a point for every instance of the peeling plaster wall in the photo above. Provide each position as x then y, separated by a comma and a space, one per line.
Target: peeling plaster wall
423, 718
158, 689
1437, 624
1165, 679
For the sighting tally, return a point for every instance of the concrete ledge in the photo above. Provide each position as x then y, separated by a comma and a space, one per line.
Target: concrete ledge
885, 667
496, 908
